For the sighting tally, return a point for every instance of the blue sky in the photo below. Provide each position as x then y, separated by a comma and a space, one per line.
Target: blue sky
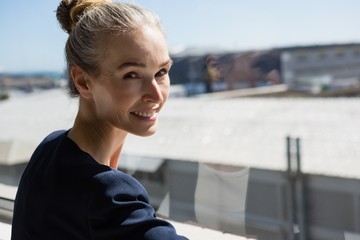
32, 40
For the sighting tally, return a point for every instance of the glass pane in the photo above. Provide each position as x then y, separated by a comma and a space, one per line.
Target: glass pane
259, 137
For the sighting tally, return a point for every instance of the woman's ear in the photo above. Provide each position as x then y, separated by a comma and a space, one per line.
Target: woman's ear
81, 81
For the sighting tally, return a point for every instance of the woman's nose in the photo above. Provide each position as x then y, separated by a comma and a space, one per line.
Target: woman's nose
153, 92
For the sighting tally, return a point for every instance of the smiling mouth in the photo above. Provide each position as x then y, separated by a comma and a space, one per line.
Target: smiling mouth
144, 114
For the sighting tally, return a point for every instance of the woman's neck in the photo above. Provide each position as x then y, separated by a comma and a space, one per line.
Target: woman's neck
102, 141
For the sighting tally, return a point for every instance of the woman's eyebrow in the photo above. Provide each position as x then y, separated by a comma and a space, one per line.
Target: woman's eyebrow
140, 64
169, 61
131, 64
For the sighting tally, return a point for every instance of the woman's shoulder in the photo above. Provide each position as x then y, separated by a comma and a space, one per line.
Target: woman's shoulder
55, 135
52, 139
114, 182
48, 144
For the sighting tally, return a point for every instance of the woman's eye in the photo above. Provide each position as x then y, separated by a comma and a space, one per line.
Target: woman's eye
130, 75
161, 73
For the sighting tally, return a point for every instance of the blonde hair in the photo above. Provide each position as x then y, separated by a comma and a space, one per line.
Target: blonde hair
90, 23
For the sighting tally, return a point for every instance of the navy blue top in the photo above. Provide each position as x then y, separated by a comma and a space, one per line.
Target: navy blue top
65, 194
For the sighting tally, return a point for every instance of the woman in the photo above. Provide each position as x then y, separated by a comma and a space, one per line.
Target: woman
118, 65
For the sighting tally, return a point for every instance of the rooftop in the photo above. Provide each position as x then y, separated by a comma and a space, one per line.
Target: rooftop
240, 131
247, 132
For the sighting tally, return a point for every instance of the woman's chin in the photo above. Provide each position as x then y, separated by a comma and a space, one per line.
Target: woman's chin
147, 133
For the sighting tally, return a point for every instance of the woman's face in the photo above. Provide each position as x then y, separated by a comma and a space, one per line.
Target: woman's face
134, 83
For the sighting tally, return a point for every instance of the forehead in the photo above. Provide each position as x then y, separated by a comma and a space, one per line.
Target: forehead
146, 44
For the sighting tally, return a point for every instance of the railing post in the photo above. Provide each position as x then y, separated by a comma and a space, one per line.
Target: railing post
290, 192
296, 198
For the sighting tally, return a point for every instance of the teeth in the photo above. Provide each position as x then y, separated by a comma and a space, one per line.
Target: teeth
144, 114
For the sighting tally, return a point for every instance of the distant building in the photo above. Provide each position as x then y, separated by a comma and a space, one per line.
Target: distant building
28, 82
3, 94
318, 68
237, 70
1, 81
310, 69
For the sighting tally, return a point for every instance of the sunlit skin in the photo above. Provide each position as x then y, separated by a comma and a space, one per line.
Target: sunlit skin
126, 97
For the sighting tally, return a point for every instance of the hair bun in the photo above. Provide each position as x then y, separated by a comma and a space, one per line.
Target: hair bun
63, 14
69, 11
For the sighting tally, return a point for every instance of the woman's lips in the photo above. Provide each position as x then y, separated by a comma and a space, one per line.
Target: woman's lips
145, 115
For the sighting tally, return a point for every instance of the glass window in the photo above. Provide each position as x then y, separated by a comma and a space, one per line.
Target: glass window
259, 137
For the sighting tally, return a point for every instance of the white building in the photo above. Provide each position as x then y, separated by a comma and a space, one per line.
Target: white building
316, 68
